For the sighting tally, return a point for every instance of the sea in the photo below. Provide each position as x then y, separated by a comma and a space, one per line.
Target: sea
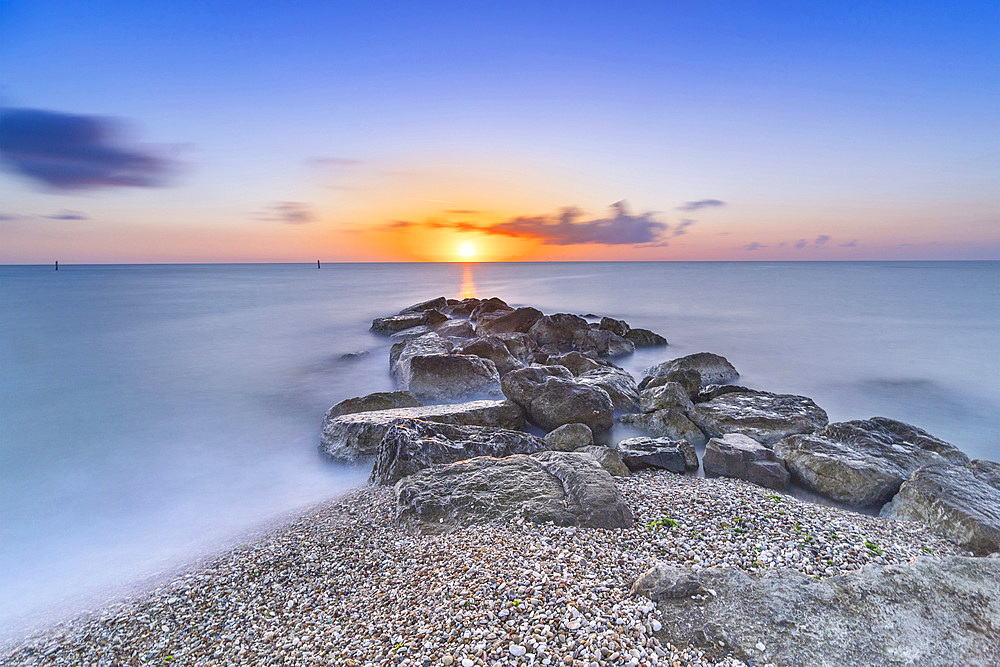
152, 415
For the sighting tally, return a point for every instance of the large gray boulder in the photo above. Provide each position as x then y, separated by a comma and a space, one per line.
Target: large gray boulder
602, 343
519, 320
862, 462
382, 400
672, 455
735, 455
955, 502
645, 338
689, 379
551, 397
761, 415
440, 303
356, 436
713, 368
453, 377
569, 438
489, 308
617, 327
666, 396
493, 348
927, 612
610, 459
566, 488
410, 445
986, 471
394, 323
670, 424
578, 363
618, 383
557, 330
401, 353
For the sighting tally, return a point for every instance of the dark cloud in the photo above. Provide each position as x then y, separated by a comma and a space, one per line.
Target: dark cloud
821, 240
4, 217
801, 243
335, 162
681, 227
754, 246
288, 212
701, 203
853, 243
71, 152
66, 214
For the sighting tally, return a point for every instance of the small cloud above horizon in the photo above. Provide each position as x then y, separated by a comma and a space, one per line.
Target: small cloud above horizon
67, 214
700, 204
74, 152
288, 212
754, 245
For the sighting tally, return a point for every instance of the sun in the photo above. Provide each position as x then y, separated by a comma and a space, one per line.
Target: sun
466, 251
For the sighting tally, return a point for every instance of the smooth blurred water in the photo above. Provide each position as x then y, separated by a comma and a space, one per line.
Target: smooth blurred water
150, 414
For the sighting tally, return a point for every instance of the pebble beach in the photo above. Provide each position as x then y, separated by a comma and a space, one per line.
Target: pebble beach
343, 585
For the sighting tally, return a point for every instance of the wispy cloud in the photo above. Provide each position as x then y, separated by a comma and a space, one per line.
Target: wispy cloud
701, 203
821, 240
462, 211
682, 227
66, 214
853, 243
73, 152
754, 245
288, 212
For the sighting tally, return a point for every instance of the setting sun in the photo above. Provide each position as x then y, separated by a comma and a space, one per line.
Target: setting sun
467, 251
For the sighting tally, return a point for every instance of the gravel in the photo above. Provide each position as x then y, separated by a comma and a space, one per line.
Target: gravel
342, 585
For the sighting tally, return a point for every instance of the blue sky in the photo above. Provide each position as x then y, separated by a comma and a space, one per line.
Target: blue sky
872, 125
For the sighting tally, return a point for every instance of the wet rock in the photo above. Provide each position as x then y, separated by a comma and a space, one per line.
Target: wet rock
715, 390
986, 471
450, 329
670, 424
515, 321
577, 362
666, 396
566, 488
450, 377
617, 327
394, 323
618, 384
410, 445
645, 338
402, 353
522, 346
672, 455
689, 379
461, 308
602, 343
735, 455
493, 348
862, 462
489, 307
713, 368
355, 436
382, 400
761, 415
551, 397
557, 330
569, 438
610, 459
927, 612
955, 502
439, 304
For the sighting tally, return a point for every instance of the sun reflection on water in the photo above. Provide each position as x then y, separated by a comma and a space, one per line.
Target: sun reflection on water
468, 283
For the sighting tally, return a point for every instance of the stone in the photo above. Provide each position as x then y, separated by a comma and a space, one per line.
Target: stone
926, 612
461, 308
551, 397
670, 424
618, 383
688, 378
617, 327
666, 396
522, 346
577, 362
439, 304
352, 437
450, 377
400, 355
735, 455
488, 307
557, 330
382, 400
569, 438
602, 343
672, 455
410, 445
645, 338
450, 329
715, 390
493, 348
761, 415
713, 368
519, 320
953, 501
394, 323
610, 459
566, 488
986, 471
862, 462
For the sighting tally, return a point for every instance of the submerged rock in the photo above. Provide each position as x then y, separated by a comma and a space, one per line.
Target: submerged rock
410, 445
761, 415
355, 436
955, 502
672, 455
552, 397
928, 612
862, 462
566, 488
382, 400
735, 455
713, 368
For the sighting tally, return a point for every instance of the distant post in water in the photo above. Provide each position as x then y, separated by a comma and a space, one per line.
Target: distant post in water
57, 265
317, 265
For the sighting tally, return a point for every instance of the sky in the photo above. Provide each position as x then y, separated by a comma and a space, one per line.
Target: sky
431, 131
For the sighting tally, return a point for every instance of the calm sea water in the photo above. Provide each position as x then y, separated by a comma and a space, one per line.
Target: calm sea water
151, 414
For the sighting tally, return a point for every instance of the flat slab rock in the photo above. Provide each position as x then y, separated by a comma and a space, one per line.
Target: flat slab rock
410, 445
862, 462
760, 415
928, 612
356, 436
954, 501
381, 400
566, 488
